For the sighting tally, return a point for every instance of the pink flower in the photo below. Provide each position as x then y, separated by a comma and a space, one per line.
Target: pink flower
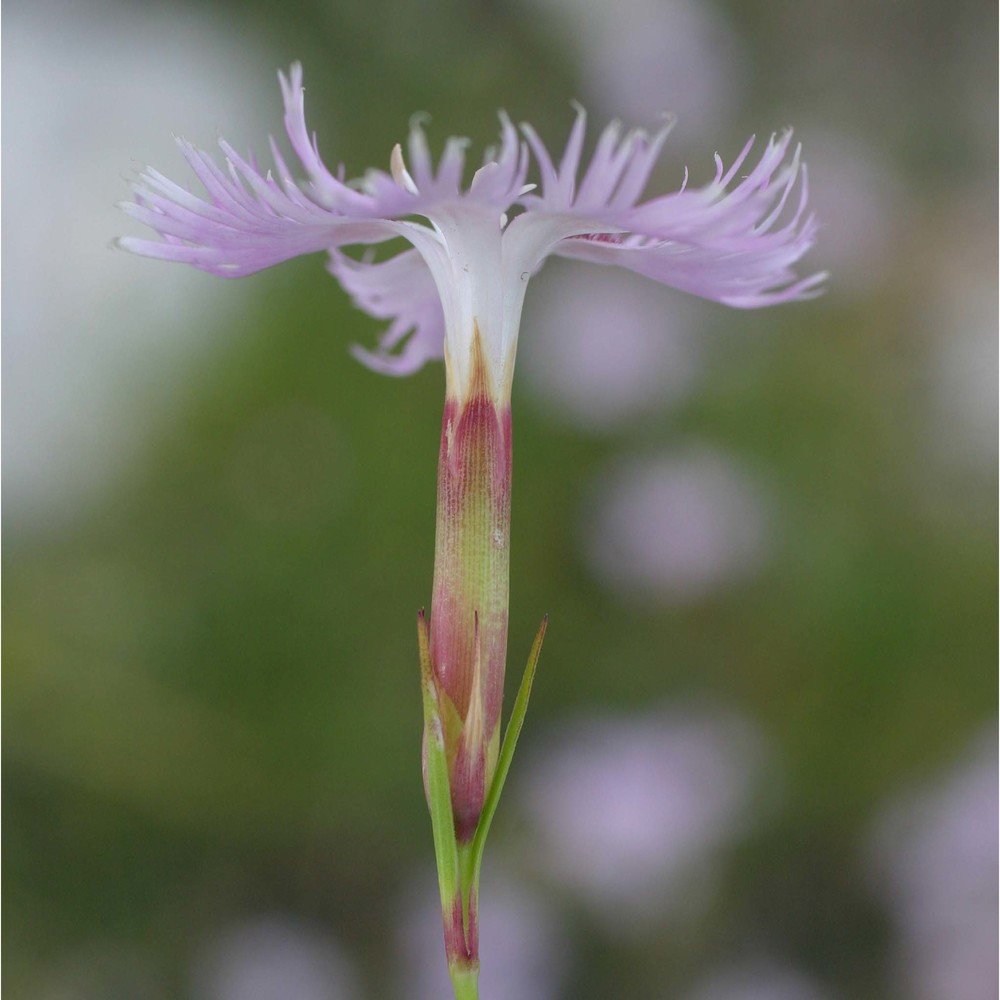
457, 294
736, 240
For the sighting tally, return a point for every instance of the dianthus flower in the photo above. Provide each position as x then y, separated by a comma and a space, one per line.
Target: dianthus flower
457, 294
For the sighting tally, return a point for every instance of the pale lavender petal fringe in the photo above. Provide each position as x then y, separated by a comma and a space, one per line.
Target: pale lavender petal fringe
736, 240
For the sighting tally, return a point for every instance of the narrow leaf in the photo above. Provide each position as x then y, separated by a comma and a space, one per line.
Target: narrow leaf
510, 736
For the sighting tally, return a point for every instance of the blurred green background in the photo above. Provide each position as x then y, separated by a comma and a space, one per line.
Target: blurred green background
219, 528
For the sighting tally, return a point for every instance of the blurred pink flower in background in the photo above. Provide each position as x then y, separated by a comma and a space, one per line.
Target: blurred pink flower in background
605, 346
632, 812
758, 981
935, 858
675, 527
639, 58
273, 957
525, 950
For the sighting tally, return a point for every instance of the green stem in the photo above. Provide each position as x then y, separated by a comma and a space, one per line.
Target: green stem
459, 865
465, 982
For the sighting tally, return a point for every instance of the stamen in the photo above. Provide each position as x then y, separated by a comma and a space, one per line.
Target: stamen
399, 172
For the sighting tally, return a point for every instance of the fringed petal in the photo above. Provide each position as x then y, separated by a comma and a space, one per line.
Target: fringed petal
325, 189
247, 221
736, 243
402, 291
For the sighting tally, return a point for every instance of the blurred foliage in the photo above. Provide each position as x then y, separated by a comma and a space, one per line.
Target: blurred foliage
211, 694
